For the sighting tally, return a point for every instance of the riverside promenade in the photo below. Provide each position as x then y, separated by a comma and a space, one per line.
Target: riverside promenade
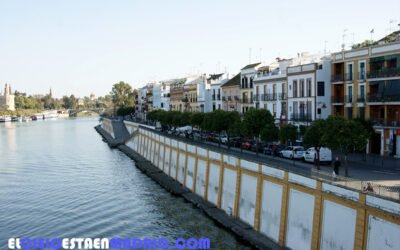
250, 191
383, 174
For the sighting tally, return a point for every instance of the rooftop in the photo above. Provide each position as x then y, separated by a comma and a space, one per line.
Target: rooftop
249, 66
235, 81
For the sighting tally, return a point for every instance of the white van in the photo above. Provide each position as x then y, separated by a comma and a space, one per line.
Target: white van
325, 155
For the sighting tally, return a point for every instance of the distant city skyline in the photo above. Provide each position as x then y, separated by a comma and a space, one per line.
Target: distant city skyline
83, 47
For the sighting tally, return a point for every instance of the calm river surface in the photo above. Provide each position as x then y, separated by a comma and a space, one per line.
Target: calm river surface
58, 179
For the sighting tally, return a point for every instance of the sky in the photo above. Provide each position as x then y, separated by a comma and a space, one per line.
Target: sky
85, 46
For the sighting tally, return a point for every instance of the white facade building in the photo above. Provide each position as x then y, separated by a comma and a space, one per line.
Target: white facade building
309, 92
247, 75
161, 95
270, 88
215, 81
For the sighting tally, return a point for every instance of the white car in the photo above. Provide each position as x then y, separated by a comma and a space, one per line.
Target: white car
325, 155
293, 152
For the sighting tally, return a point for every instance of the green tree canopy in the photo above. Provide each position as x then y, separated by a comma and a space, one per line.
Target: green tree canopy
345, 136
270, 133
122, 95
255, 120
288, 133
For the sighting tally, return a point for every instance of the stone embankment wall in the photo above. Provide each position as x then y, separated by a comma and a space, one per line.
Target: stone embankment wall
293, 210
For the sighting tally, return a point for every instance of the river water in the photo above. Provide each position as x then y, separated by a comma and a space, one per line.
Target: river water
58, 179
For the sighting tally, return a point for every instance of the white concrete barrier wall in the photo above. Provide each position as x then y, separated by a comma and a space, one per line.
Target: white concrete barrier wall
202, 171
247, 200
338, 226
228, 191
300, 220
174, 163
382, 234
190, 172
213, 183
201, 177
270, 216
106, 124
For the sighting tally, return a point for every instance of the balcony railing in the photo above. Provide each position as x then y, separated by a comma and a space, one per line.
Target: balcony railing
269, 97
213, 97
256, 98
349, 76
361, 98
282, 96
229, 98
383, 122
237, 98
218, 97
223, 98
245, 100
337, 78
337, 99
361, 75
385, 72
349, 99
301, 117
383, 98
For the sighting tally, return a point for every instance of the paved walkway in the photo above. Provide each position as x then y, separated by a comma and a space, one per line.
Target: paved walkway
385, 178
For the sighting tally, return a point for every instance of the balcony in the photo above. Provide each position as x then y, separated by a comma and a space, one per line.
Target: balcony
349, 99
256, 98
237, 98
361, 76
218, 97
349, 76
301, 117
224, 98
337, 78
229, 98
282, 96
384, 72
213, 97
361, 98
269, 97
337, 99
245, 100
383, 98
384, 123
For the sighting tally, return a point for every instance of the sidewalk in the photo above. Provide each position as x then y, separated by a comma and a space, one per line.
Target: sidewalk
374, 160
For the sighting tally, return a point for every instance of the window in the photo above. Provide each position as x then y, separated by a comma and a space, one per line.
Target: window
295, 88
320, 66
251, 82
321, 88
301, 88
309, 90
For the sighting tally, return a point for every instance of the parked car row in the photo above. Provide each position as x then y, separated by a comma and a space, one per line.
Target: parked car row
295, 152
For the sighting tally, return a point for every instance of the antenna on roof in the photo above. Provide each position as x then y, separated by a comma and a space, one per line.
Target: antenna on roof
249, 55
343, 37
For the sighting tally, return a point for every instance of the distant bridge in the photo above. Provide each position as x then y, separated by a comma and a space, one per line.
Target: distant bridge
74, 112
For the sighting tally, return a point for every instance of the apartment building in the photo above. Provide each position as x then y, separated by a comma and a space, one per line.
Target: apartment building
309, 92
247, 74
161, 95
215, 82
231, 94
270, 89
176, 96
366, 84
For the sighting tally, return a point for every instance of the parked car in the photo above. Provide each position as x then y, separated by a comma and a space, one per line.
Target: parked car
325, 155
257, 146
235, 142
223, 139
246, 145
293, 152
269, 149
